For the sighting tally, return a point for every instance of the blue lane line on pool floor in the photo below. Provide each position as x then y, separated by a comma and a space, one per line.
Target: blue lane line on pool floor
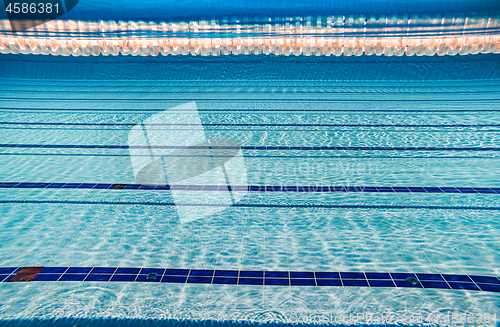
262, 148
256, 125
251, 277
240, 99
257, 188
212, 110
247, 89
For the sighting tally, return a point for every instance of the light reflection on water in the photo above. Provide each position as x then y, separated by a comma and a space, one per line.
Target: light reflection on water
445, 233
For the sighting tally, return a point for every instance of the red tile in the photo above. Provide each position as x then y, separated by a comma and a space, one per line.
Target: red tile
117, 186
25, 274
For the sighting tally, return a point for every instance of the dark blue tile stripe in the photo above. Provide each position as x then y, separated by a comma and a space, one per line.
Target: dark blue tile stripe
275, 278
254, 88
232, 110
260, 148
257, 188
255, 100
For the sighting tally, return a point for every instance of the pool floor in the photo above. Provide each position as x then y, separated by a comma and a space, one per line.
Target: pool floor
372, 180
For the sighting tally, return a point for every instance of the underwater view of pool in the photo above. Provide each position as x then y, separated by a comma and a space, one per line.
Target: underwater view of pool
303, 168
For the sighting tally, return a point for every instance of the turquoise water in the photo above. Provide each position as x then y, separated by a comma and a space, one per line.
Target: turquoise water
367, 122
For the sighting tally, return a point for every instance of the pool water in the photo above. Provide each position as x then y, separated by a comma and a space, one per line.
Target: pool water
354, 165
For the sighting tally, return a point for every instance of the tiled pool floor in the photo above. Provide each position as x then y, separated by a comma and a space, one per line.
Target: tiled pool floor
356, 177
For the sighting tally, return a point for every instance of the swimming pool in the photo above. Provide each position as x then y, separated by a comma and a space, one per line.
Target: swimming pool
255, 188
